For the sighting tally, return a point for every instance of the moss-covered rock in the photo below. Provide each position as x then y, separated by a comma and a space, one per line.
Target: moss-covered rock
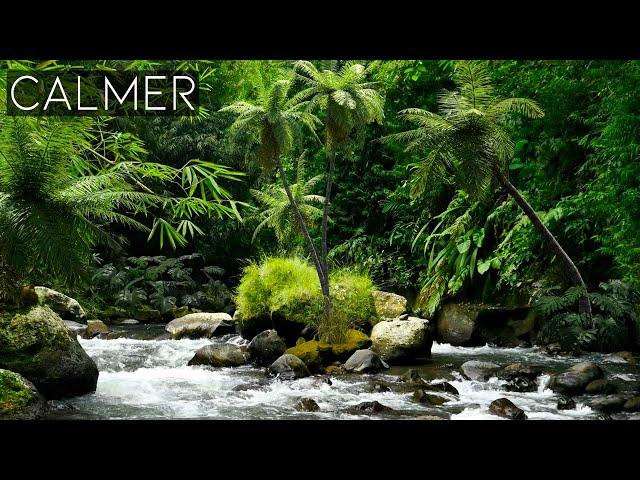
146, 314
65, 306
19, 398
38, 345
95, 328
317, 355
284, 294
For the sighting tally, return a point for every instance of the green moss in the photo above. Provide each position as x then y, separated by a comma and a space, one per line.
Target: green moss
15, 394
289, 287
319, 354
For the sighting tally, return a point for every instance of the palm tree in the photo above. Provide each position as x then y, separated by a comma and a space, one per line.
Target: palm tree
278, 212
467, 140
270, 127
52, 211
349, 102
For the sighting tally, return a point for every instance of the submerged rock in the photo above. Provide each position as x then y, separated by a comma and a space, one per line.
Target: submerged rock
423, 396
445, 387
39, 346
411, 376
66, 307
19, 398
377, 387
627, 356
307, 405
219, 355
265, 348
608, 404
480, 371
398, 341
575, 379
95, 328
503, 407
389, 305
200, 325
364, 361
370, 407
566, 403
288, 367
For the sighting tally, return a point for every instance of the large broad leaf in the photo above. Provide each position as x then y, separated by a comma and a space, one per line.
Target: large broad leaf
483, 266
464, 245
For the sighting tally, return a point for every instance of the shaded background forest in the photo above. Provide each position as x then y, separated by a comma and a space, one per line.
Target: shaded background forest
578, 166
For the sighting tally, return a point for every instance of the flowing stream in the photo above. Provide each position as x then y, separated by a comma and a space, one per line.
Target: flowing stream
146, 378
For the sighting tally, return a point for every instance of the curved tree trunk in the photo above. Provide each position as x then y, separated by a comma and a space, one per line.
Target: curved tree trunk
324, 281
584, 305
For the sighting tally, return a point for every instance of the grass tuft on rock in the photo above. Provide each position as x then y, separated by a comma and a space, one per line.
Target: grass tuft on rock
289, 287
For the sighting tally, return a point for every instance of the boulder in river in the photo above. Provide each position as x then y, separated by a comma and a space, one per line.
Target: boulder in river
148, 315
600, 386
307, 405
66, 307
520, 377
400, 341
608, 404
364, 361
288, 367
475, 324
480, 371
370, 407
421, 395
266, 347
503, 407
201, 325
377, 387
95, 328
389, 305
626, 356
19, 398
39, 346
444, 387
219, 355
576, 378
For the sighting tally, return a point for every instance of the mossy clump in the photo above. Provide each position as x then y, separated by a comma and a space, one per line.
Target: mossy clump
289, 288
18, 397
317, 355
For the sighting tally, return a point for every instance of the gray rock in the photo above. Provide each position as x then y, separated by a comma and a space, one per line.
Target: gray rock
423, 396
401, 341
364, 361
219, 355
265, 348
503, 407
288, 367
477, 370
377, 387
566, 403
575, 379
66, 307
201, 325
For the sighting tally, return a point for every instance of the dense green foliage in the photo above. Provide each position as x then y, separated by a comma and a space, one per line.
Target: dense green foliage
288, 286
81, 196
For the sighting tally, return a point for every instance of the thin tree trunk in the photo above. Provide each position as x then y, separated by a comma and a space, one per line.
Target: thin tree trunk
325, 224
584, 305
324, 284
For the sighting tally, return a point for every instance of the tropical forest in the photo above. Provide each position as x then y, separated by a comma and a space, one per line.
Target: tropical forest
327, 240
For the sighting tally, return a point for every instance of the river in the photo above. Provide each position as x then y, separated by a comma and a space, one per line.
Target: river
144, 376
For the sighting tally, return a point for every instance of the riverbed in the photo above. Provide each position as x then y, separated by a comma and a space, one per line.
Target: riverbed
144, 375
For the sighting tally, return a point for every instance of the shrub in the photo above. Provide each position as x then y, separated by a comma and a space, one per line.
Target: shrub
289, 287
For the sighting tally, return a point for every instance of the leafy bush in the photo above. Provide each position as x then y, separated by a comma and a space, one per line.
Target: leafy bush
164, 283
289, 287
614, 325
